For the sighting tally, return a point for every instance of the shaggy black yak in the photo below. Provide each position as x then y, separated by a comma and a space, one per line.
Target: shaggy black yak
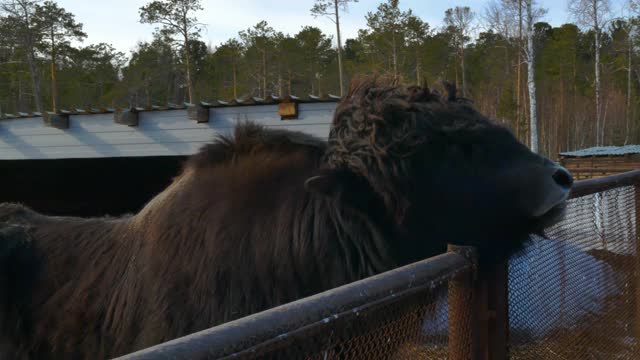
266, 217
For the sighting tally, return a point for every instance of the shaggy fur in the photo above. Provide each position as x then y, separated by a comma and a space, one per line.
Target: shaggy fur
261, 219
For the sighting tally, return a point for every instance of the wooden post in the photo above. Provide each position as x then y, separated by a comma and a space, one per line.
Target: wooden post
463, 317
498, 312
479, 312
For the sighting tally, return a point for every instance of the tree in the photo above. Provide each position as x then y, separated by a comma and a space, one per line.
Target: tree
90, 75
506, 18
460, 20
260, 40
19, 18
231, 52
531, 82
594, 14
331, 9
57, 27
417, 32
315, 48
151, 74
387, 28
176, 18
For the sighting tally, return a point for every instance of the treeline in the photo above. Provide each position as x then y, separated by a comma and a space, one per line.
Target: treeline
482, 50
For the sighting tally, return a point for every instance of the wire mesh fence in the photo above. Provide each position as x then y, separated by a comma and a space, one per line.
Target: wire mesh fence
395, 315
571, 295
405, 326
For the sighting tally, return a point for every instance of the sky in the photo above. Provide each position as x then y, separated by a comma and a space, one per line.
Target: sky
116, 22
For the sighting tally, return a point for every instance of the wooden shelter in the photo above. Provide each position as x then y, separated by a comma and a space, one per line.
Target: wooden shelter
601, 161
95, 162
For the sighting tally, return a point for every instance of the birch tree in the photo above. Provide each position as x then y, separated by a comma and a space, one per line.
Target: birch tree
531, 83
176, 18
331, 9
594, 14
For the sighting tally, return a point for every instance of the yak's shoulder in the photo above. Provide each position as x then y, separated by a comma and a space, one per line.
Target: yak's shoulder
251, 138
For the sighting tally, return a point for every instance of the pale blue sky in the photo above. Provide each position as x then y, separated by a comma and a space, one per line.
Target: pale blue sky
116, 21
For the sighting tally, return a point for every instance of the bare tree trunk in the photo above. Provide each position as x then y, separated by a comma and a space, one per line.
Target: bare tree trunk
340, 69
457, 77
519, 78
394, 58
264, 73
533, 119
628, 112
464, 84
418, 67
54, 90
235, 81
35, 81
147, 92
574, 103
604, 119
188, 67
596, 28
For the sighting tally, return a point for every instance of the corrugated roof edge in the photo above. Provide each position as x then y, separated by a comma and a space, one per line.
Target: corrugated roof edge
270, 100
603, 151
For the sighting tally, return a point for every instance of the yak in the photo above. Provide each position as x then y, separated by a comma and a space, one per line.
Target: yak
266, 216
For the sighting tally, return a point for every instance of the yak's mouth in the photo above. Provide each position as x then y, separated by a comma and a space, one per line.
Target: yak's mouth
549, 218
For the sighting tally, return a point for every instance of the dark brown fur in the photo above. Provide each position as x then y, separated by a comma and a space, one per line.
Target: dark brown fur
237, 232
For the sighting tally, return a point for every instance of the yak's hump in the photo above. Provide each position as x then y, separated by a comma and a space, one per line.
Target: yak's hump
251, 138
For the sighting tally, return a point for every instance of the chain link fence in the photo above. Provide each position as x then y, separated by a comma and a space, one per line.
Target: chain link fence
572, 295
569, 295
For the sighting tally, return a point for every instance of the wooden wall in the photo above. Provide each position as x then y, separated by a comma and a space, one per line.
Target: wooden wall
589, 167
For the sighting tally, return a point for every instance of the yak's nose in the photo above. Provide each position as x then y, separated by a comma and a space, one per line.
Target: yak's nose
563, 178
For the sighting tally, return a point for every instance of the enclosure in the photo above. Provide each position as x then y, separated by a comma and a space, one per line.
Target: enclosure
570, 295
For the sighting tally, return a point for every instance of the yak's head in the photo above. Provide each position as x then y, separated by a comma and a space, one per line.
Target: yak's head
438, 171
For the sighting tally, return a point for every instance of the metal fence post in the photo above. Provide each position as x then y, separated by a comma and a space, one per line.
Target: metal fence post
464, 342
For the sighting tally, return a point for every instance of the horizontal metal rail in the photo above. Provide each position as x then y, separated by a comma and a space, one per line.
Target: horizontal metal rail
262, 329
592, 186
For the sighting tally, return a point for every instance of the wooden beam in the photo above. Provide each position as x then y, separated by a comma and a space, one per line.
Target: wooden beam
198, 112
127, 117
288, 110
56, 120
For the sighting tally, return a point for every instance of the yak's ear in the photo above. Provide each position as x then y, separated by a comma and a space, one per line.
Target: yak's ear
343, 185
330, 182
